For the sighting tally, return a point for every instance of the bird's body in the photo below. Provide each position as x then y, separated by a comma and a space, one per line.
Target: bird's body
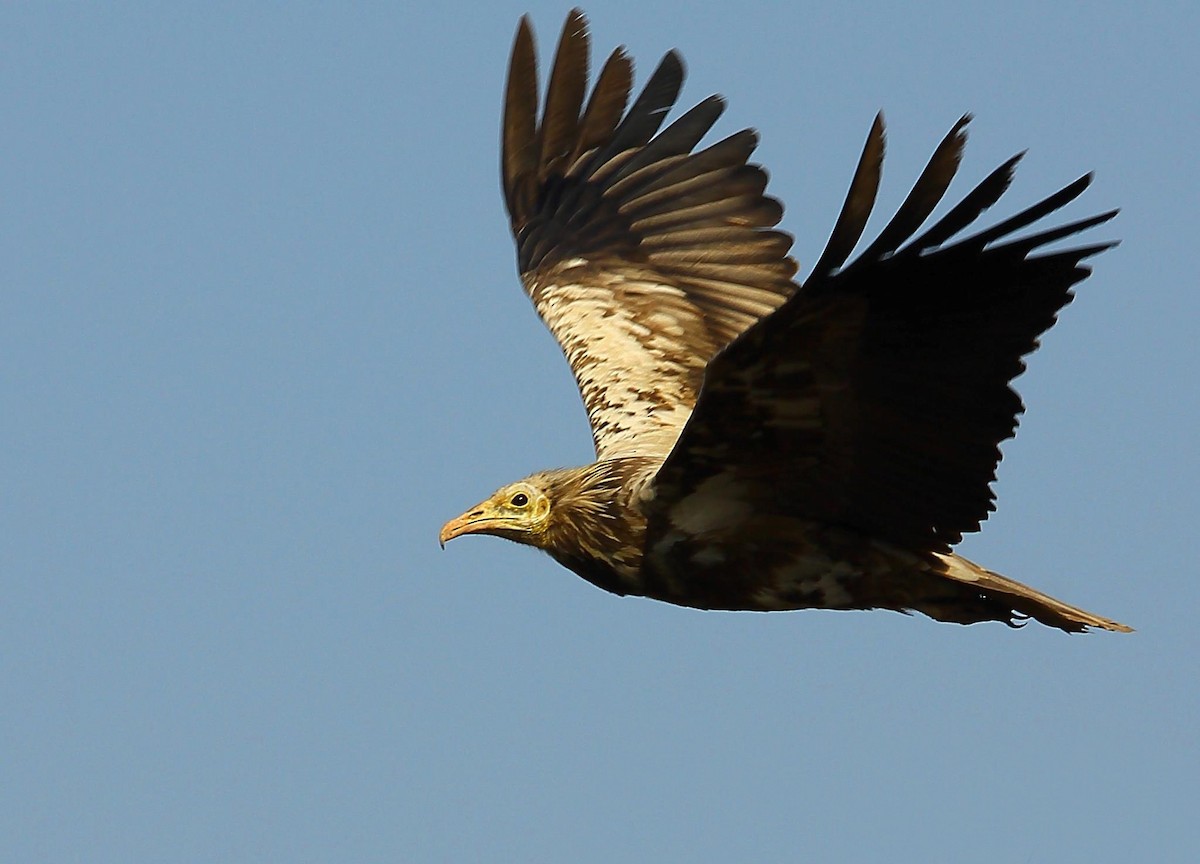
760, 445
720, 554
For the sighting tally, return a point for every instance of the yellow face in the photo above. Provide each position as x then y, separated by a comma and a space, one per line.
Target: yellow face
517, 512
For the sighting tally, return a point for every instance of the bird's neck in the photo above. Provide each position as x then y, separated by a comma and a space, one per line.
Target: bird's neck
596, 525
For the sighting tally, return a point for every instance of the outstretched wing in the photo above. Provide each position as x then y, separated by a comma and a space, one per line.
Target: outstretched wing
876, 397
642, 257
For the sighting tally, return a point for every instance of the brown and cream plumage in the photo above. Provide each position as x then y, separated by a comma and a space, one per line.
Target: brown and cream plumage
760, 445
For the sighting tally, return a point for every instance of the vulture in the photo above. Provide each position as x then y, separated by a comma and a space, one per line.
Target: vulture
761, 443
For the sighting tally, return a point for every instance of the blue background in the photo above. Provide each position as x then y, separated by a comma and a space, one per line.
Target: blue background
261, 334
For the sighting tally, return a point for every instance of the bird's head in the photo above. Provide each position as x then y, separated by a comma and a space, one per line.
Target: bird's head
519, 511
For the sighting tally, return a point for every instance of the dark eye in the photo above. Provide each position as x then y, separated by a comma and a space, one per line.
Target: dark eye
520, 499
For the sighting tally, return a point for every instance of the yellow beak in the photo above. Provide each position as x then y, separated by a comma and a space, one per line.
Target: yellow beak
477, 520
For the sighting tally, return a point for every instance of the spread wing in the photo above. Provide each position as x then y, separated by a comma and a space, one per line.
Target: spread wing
876, 397
643, 257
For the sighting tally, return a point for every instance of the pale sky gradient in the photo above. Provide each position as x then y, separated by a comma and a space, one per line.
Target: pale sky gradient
261, 334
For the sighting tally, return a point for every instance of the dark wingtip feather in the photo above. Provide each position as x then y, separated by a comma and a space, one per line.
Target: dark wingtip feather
674, 61
1029, 215
648, 111
607, 103
518, 156
1025, 245
926, 193
677, 139
980, 198
860, 199
564, 94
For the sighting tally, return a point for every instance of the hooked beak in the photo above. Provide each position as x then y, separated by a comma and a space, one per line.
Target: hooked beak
474, 521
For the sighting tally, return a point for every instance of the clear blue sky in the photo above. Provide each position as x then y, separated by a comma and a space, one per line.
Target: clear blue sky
261, 334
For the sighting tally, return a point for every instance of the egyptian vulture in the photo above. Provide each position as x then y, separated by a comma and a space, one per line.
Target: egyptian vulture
763, 444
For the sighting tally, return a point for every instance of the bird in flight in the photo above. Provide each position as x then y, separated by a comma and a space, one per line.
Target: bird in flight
763, 444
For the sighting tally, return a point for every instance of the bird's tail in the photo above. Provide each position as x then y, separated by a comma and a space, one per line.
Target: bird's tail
998, 592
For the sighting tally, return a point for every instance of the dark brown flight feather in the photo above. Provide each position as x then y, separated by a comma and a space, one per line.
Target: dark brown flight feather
763, 446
